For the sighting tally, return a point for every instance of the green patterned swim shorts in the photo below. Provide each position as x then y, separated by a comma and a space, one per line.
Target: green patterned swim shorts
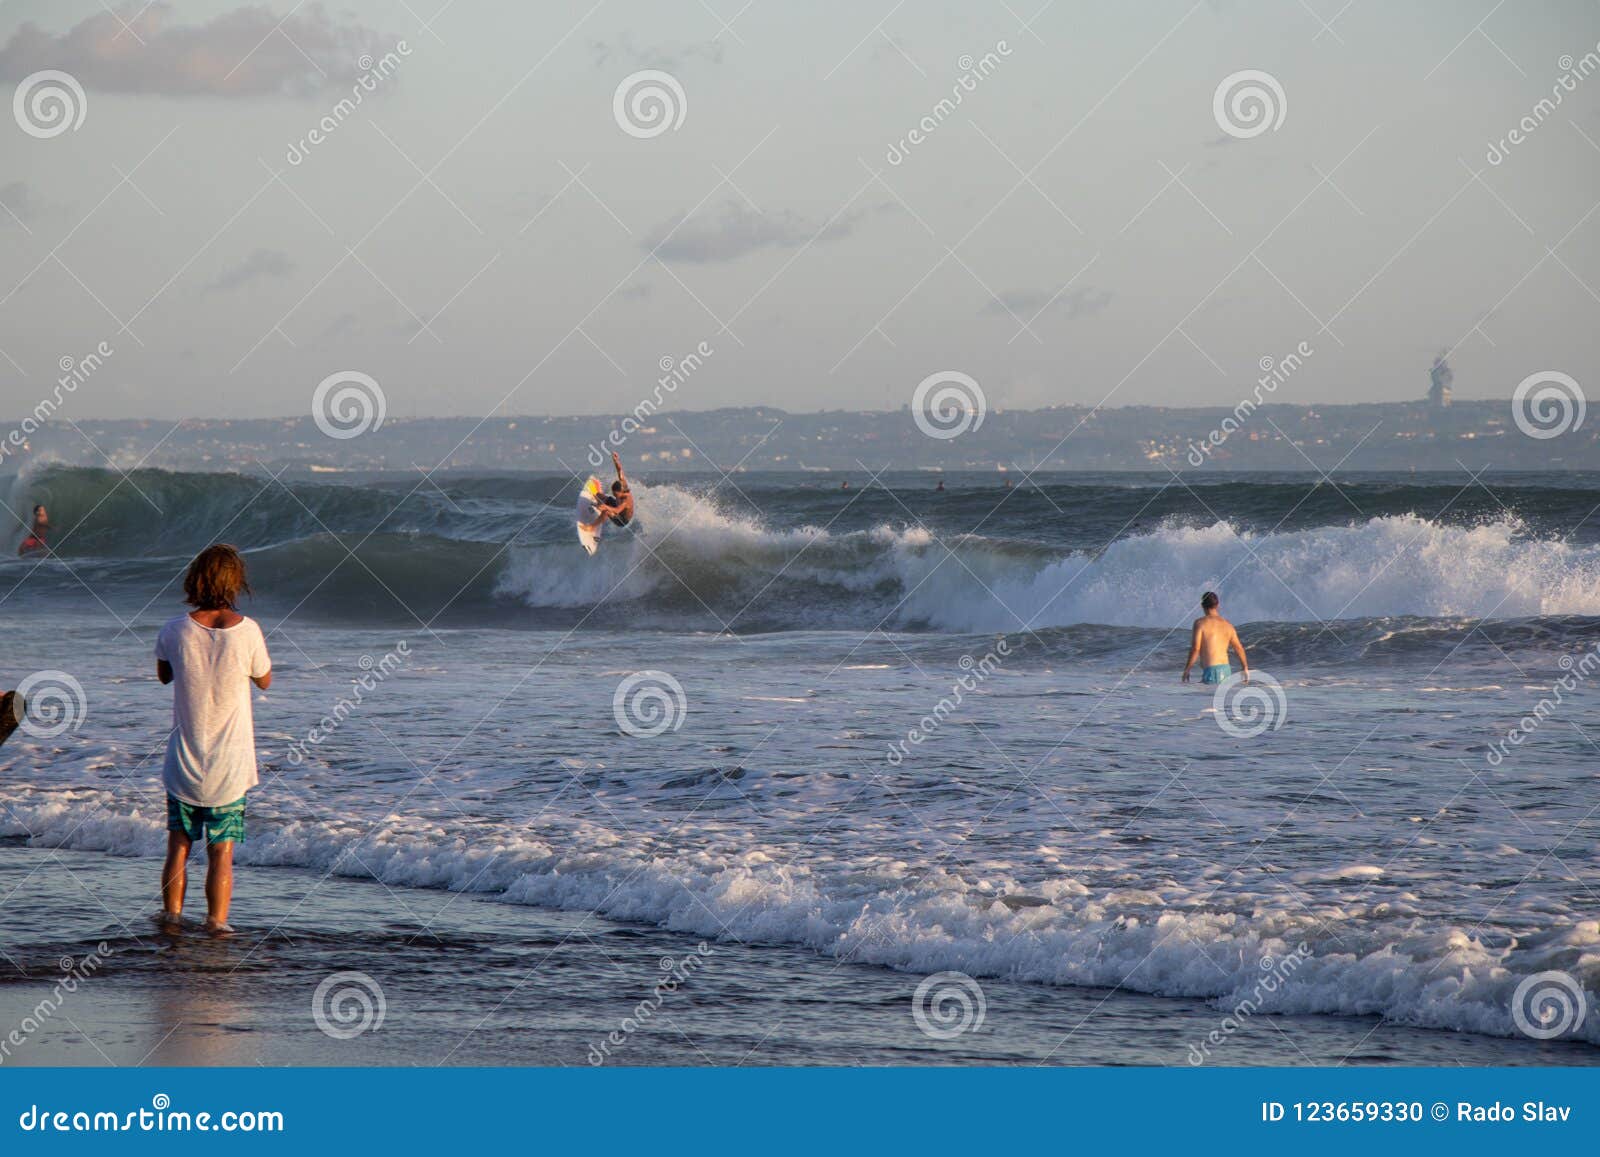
218, 825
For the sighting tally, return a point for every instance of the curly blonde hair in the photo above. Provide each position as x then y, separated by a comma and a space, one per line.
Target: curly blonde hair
215, 578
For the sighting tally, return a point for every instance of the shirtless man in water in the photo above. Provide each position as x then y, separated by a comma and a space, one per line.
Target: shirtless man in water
1209, 644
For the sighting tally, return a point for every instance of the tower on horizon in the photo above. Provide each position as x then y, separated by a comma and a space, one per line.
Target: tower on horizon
1440, 378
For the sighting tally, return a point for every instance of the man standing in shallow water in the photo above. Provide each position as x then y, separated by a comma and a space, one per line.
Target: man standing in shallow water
1212, 637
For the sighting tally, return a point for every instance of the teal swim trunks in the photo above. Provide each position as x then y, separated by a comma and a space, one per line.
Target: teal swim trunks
217, 825
1216, 674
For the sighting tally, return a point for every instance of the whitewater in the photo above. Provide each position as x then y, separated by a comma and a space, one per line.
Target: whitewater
1080, 819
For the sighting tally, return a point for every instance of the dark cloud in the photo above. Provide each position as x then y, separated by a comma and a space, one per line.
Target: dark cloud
736, 229
262, 263
1025, 303
247, 52
667, 59
19, 204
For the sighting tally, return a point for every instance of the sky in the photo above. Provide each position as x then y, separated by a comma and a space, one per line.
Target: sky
482, 233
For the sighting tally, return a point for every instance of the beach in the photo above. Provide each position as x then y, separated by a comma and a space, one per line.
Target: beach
798, 754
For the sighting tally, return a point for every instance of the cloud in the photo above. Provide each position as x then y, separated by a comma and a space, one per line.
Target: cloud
736, 229
664, 58
247, 52
260, 264
1027, 303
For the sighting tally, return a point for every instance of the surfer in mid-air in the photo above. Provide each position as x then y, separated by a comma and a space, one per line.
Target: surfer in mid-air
618, 505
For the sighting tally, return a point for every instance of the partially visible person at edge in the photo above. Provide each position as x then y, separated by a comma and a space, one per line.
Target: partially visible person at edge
1213, 636
35, 541
211, 655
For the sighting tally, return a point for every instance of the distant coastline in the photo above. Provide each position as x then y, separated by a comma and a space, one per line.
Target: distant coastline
1274, 436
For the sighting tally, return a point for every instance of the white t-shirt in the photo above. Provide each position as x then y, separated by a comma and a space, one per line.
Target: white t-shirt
211, 757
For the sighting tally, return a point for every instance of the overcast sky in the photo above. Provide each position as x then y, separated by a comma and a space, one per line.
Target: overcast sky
481, 234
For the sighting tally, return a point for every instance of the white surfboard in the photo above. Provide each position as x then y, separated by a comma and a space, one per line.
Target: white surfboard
587, 514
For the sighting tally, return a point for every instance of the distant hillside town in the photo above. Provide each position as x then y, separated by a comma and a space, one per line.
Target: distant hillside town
1543, 428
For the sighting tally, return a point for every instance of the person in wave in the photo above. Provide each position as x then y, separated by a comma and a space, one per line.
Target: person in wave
1209, 644
616, 507
35, 541
211, 655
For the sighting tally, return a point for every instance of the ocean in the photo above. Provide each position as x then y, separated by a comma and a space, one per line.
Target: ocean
885, 755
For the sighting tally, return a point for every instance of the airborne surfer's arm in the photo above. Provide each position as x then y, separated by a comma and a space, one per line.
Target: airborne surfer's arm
617, 462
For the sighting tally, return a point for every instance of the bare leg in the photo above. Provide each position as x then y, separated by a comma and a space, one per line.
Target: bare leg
219, 883
174, 876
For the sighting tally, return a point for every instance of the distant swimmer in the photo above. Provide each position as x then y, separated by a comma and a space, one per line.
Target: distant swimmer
845, 485
618, 505
1209, 644
939, 489
36, 536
